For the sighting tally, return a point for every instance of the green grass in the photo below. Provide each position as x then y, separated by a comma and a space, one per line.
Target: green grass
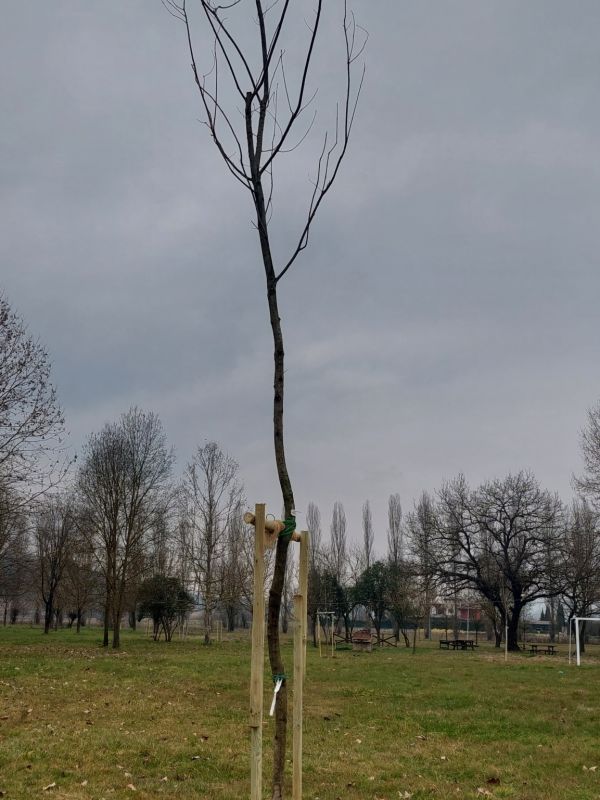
171, 720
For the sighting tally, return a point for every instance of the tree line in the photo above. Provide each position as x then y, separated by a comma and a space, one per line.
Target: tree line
117, 532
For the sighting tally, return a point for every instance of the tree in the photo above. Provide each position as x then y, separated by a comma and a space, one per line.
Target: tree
496, 539
372, 590
166, 601
338, 549
123, 484
368, 535
250, 144
236, 567
31, 420
421, 531
581, 562
394, 536
53, 534
213, 493
588, 484
313, 523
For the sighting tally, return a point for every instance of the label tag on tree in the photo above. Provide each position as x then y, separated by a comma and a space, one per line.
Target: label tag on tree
278, 686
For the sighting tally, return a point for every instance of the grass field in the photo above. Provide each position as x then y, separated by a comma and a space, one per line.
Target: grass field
170, 721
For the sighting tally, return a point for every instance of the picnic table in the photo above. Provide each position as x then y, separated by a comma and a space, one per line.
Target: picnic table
540, 649
457, 644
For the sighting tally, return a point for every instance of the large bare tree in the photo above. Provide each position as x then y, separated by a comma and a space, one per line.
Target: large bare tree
254, 101
496, 539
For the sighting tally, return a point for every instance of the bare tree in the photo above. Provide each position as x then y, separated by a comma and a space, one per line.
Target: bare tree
250, 144
213, 493
236, 567
53, 536
313, 523
123, 483
588, 484
580, 565
421, 530
81, 579
31, 420
368, 535
337, 556
496, 540
394, 535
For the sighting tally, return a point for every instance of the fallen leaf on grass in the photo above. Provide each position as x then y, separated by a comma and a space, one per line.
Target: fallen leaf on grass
50, 786
481, 790
406, 795
83, 783
131, 787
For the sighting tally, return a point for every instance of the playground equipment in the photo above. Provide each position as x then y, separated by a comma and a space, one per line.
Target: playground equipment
266, 533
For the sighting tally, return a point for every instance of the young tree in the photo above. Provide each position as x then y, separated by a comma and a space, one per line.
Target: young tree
250, 144
213, 494
123, 482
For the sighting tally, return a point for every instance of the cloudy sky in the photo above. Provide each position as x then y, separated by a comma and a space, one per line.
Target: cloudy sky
445, 315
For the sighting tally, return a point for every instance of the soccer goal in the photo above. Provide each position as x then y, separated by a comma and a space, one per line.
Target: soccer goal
577, 620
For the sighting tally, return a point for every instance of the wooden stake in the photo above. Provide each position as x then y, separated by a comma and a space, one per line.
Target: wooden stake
303, 580
298, 679
272, 528
258, 656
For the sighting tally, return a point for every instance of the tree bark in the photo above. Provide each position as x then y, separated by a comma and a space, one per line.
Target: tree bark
48, 615
106, 621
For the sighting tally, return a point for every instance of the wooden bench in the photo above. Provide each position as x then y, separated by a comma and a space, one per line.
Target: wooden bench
457, 644
539, 650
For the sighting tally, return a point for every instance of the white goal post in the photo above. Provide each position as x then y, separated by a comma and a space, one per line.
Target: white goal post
577, 620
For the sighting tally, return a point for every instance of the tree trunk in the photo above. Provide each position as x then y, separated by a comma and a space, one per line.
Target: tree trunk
48, 610
78, 620
106, 621
513, 628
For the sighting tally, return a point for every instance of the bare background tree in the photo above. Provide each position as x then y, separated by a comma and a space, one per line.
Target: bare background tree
394, 533
123, 483
495, 539
213, 493
368, 534
31, 420
53, 535
273, 100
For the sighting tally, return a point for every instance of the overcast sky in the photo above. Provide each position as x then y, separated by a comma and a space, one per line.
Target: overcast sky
445, 315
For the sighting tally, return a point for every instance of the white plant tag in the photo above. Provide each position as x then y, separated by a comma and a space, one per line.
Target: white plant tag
275, 690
